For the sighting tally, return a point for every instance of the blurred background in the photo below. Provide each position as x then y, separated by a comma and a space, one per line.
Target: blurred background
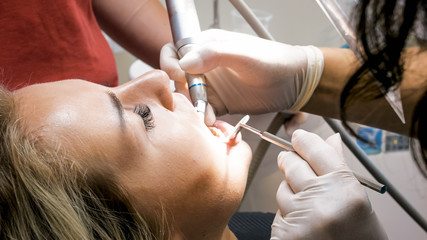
302, 22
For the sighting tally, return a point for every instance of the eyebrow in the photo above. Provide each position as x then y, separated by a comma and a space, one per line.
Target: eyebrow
118, 106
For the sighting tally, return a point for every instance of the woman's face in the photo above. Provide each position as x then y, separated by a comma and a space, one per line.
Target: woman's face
151, 140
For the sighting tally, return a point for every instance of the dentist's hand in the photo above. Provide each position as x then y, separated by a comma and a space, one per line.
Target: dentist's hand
247, 74
320, 198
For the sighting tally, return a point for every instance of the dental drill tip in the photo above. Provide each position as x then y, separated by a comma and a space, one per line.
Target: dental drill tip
201, 116
200, 107
238, 126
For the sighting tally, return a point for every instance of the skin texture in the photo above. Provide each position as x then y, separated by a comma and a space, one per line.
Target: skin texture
279, 64
140, 26
197, 176
340, 64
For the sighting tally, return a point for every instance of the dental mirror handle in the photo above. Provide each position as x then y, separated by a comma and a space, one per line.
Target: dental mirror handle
378, 187
184, 24
266, 135
277, 141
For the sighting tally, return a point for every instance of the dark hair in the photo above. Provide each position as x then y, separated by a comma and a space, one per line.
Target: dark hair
383, 28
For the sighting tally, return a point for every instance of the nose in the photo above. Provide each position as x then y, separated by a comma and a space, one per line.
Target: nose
149, 87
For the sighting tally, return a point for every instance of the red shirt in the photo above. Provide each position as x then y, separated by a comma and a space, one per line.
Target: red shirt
49, 40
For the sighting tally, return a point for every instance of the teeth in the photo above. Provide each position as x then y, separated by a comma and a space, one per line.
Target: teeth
217, 133
214, 131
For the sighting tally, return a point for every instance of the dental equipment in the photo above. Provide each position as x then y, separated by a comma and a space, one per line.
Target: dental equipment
215, 23
341, 21
378, 187
279, 118
184, 25
251, 19
269, 137
237, 128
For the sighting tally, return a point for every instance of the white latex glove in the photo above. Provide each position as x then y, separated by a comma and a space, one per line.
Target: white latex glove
320, 198
247, 74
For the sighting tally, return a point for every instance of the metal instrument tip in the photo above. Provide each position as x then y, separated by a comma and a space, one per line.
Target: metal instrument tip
238, 127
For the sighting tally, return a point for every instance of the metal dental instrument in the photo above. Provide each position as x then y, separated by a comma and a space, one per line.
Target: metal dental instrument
264, 135
269, 137
184, 25
238, 127
347, 140
378, 187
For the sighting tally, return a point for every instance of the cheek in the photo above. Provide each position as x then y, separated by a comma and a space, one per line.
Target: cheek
187, 157
191, 163
182, 141
114, 149
196, 153
180, 177
186, 160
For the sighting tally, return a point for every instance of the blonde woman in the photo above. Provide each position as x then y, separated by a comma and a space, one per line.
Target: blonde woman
84, 161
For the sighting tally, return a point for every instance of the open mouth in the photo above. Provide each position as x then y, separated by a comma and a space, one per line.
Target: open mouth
217, 133
222, 131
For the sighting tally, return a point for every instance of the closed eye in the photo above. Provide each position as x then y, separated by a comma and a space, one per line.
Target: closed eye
145, 113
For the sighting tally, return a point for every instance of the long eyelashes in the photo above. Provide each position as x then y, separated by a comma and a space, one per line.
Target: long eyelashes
145, 113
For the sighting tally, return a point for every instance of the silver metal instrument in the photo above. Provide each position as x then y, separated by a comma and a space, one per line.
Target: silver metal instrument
184, 25
372, 184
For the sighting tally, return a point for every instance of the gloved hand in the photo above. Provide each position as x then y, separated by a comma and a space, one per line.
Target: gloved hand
247, 74
320, 198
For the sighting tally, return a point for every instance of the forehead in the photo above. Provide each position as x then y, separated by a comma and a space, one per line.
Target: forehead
57, 91
71, 113
50, 101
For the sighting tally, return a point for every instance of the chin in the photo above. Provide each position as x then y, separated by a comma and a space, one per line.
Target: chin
238, 162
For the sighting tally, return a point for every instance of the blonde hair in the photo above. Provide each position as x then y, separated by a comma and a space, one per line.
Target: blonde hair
45, 194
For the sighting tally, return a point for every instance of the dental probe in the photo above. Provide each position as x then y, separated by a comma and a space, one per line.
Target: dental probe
378, 187
184, 24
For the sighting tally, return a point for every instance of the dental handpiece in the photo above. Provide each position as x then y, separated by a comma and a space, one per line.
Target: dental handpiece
184, 25
378, 187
